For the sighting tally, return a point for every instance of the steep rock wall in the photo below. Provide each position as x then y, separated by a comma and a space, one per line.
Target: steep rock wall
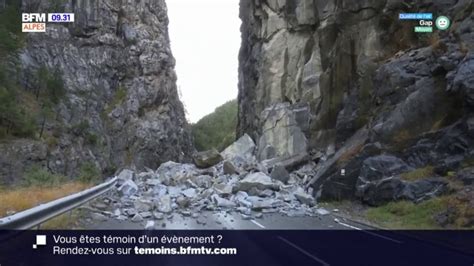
357, 67
121, 106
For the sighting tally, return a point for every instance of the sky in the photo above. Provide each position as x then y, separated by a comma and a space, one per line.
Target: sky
205, 41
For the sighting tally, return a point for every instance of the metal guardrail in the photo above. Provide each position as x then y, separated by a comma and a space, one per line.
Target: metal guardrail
37, 215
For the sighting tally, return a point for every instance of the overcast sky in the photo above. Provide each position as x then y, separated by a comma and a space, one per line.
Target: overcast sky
205, 40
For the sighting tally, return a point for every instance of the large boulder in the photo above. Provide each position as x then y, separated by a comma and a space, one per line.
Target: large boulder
143, 205
222, 202
380, 182
164, 204
203, 181
206, 159
289, 162
229, 168
259, 203
423, 189
304, 197
464, 79
171, 173
128, 188
282, 134
256, 180
279, 172
125, 175
329, 182
244, 147
378, 167
376, 182
384, 190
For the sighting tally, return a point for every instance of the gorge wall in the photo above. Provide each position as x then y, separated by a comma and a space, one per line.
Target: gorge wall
121, 106
350, 83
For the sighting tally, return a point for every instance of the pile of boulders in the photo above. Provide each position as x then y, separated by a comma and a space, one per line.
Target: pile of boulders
231, 181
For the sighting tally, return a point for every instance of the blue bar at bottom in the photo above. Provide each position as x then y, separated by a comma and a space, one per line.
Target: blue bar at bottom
228, 247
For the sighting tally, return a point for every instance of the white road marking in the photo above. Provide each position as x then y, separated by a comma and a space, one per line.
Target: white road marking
258, 224
366, 231
347, 225
303, 251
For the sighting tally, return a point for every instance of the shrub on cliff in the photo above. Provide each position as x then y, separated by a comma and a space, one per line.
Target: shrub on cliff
41, 177
89, 173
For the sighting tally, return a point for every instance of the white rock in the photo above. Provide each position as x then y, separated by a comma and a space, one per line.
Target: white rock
143, 205
137, 218
164, 204
256, 180
125, 175
221, 202
153, 182
158, 215
128, 188
304, 197
190, 192
223, 189
146, 214
243, 147
322, 211
150, 225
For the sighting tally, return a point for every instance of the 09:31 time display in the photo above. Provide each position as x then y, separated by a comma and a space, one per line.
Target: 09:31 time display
61, 17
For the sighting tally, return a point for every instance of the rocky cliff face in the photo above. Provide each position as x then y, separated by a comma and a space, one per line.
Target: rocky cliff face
359, 83
121, 105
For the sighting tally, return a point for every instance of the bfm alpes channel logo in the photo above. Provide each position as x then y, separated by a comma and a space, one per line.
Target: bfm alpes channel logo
36, 22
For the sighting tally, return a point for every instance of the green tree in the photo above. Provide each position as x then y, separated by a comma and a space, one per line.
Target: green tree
50, 85
216, 130
11, 37
49, 91
14, 120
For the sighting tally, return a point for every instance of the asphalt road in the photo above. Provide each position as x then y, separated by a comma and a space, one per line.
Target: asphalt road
311, 241
222, 220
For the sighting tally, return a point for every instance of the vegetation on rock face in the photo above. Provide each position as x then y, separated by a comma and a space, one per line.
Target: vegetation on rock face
216, 130
42, 178
14, 119
418, 174
89, 173
23, 113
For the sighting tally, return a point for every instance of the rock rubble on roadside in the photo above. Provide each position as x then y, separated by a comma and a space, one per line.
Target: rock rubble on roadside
233, 181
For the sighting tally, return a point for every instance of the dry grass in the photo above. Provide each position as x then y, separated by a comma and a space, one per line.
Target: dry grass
64, 221
24, 198
418, 174
402, 136
349, 154
437, 44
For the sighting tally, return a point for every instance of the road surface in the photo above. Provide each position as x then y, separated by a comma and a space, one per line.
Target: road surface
360, 245
222, 220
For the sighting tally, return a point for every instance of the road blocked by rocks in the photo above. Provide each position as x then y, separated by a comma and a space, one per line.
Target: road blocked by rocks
239, 185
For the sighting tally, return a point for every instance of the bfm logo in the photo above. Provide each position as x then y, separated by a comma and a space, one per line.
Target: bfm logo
39, 20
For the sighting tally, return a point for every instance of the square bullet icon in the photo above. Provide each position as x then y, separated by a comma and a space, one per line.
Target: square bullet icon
40, 241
